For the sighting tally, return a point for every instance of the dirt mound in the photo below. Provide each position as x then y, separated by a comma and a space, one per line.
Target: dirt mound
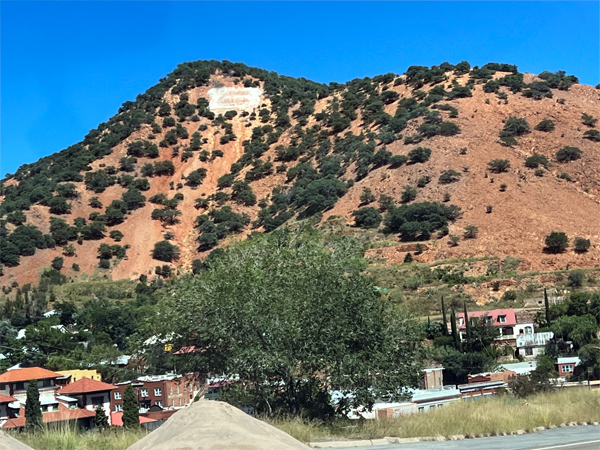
212, 425
9, 443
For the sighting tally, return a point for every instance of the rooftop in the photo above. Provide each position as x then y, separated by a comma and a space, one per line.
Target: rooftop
7, 399
85, 385
494, 314
569, 360
26, 374
63, 414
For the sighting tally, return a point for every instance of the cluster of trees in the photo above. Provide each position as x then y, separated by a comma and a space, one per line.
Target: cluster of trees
217, 224
417, 221
558, 242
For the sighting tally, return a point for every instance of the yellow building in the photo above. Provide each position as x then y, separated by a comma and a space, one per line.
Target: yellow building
77, 374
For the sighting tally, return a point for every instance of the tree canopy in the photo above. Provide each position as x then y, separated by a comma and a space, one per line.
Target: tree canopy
293, 316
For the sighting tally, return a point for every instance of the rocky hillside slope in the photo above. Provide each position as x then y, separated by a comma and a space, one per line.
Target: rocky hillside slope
217, 150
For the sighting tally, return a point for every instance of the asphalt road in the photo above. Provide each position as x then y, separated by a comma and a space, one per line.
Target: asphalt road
564, 438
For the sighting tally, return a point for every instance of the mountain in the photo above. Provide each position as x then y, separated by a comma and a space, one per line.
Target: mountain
217, 150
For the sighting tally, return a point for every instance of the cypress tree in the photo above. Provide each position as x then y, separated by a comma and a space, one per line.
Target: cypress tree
444, 318
131, 413
547, 305
33, 408
454, 330
467, 324
100, 419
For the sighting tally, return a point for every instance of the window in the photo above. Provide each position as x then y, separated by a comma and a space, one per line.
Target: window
2, 387
159, 403
461, 321
528, 330
144, 392
19, 386
97, 401
502, 319
488, 320
567, 368
171, 390
157, 392
118, 407
178, 389
185, 388
421, 408
529, 351
179, 401
118, 395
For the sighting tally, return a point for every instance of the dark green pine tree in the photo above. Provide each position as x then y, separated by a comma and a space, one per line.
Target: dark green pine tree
467, 324
100, 419
445, 320
131, 413
547, 305
454, 329
33, 408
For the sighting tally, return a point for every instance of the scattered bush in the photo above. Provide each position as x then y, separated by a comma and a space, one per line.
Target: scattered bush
588, 120
57, 263
419, 155
567, 154
556, 242
165, 251
536, 160
408, 194
423, 181
471, 232
367, 217
581, 245
499, 165
515, 126
592, 135
545, 125
449, 176
564, 176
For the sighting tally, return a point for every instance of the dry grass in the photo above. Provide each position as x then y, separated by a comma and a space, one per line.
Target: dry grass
69, 438
494, 416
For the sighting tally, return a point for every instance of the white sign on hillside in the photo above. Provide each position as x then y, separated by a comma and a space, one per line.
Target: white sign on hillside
224, 99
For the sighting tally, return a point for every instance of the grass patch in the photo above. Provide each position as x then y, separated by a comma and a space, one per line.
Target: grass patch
70, 438
498, 415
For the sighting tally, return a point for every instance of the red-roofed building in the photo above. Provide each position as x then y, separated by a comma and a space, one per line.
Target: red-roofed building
83, 418
90, 394
75, 402
5, 412
15, 381
504, 319
116, 419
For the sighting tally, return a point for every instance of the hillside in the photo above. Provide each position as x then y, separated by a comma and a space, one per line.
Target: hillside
218, 150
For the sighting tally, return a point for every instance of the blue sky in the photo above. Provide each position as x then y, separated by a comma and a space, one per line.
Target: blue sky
67, 66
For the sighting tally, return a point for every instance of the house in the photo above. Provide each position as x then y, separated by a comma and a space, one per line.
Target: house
433, 378
504, 376
77, 374
56, 405
15, 382
478, 391
568, 367
163, 391
531, 345
90, 394
521, 368
503, 319
5, 411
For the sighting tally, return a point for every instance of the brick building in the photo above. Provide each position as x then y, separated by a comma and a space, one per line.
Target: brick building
163, 391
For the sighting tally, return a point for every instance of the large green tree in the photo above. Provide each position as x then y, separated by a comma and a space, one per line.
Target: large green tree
293, 316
